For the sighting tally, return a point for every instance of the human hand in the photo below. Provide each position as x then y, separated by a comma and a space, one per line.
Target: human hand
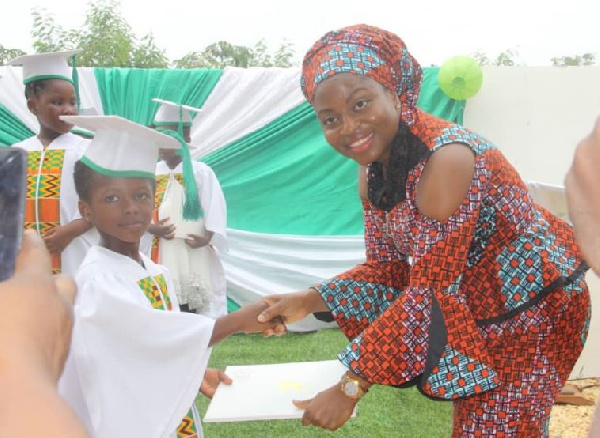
57, 239
36, 316
290, 308
162, 229
249, 323
196, 241
212, 378
329, 409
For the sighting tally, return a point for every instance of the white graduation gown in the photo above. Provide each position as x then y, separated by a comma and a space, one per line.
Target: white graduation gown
133, 370
196, 271
74, 147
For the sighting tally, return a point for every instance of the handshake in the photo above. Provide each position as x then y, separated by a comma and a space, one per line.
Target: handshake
271, 314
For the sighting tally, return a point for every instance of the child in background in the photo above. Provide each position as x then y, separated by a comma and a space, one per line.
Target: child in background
136, 362
189, 246
51, 199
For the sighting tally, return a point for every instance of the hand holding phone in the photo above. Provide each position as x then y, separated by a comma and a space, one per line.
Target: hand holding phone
13, 182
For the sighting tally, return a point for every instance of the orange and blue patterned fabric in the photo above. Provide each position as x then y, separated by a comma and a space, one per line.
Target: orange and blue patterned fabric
365, 50
488, 309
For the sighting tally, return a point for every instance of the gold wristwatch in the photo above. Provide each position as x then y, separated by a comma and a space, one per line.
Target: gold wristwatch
351, 387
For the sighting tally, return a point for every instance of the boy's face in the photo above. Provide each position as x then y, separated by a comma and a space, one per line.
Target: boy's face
120, 209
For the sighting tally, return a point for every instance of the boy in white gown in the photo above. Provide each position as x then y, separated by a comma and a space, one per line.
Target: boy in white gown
189, 247
136, 363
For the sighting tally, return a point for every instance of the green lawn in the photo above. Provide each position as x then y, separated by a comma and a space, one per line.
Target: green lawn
383, 412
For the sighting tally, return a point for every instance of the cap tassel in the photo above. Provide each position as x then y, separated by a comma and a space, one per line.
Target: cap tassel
192, 209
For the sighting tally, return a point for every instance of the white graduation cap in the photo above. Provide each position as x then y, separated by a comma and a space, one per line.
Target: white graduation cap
168, 113
121, 148
40, 66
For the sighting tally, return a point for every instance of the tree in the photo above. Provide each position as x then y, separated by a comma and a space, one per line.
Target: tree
283, 56
105, 40
8, 54
147, 54
217, 55
506, 58
586, 59
224, 54
260, 55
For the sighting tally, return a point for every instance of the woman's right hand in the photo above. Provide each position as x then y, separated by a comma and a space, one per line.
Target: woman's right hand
162, 229
290, 308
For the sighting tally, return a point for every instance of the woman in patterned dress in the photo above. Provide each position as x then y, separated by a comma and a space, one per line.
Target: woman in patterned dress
470, 290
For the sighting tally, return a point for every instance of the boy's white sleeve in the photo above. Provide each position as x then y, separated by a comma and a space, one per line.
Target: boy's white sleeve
139, 369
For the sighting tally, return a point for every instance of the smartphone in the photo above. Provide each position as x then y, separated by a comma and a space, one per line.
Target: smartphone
13, 186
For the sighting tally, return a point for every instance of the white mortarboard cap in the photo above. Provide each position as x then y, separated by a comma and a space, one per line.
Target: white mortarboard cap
168, 113
121, 148
39, 66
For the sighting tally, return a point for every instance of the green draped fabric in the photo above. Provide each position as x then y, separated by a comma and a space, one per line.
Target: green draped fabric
127, 92
286, 179
12, 129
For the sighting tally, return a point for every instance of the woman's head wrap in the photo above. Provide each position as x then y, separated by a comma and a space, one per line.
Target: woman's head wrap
365, 50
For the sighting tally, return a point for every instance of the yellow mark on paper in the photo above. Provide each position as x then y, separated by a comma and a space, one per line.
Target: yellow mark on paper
289, 385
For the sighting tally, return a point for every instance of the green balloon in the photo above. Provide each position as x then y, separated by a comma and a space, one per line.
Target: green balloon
460, 77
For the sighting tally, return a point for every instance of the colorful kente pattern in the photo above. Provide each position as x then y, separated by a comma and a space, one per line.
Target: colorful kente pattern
46, 194
488, 308
187, 427
162, 181
150, 286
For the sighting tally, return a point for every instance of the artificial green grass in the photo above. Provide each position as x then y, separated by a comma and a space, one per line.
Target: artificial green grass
383, 412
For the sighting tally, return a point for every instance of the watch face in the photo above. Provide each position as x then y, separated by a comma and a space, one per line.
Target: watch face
351, 389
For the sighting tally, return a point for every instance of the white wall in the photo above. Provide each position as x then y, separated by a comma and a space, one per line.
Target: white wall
536, 116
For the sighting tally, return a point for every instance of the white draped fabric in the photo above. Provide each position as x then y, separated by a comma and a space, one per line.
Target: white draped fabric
264, 264
243, 101
12, 94
88, 90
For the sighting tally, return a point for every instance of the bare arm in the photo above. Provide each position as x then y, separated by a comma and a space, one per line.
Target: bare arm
445, 181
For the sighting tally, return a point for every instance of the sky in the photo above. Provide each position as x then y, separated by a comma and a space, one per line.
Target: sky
433, 30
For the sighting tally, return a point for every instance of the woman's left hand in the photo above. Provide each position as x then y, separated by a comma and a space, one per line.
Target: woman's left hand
196, 241
212, 378
329, 409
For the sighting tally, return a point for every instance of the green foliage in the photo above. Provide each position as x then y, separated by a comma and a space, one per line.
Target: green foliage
260, 55
47, 35
383, 412
8, 54
148, 55
224, 54
506, 58
105, 40
586, 59
284, 55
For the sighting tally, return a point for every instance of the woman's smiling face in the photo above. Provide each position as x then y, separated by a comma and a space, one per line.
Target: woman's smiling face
358, 116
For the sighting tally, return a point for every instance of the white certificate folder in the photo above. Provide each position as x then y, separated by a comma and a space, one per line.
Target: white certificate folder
265, 392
